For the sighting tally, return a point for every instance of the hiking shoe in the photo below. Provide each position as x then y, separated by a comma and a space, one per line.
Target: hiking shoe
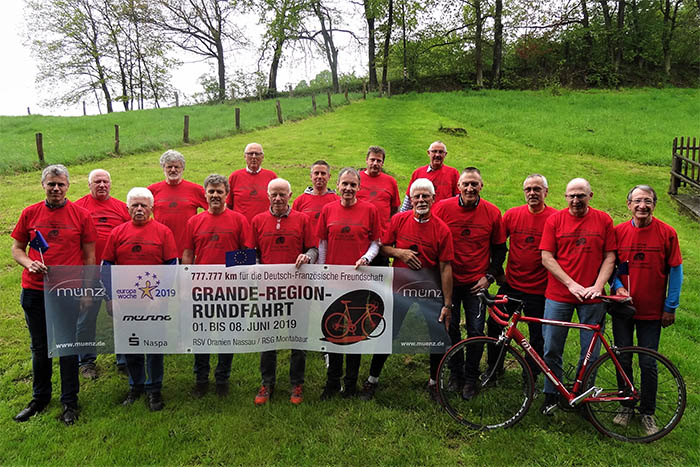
649, 425
349, 391
368, 390
155, 401
132, 396
623, 417
329, 391
455, 384
263, 395
200, 389
297, 396
88, 371
550, 404
433, 392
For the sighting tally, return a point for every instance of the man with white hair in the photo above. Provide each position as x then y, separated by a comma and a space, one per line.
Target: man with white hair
417, 240
578, 249
70, 235
176, 199
107, 212
142, 241
283, 236
248, 193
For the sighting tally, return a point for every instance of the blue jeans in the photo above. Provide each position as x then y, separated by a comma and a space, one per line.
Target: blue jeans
648, 335
475, 317
138, 378
33, 304
555, 336
221, 373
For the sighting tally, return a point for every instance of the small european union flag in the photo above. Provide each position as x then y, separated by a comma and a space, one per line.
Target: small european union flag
240, 257
39, 243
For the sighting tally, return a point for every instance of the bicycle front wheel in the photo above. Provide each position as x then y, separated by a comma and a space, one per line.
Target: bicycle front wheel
500, 394
657, 396
373, 325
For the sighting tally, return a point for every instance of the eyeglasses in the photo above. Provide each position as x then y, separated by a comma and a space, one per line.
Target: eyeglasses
644, 201
577, 196
254, 154
437, 151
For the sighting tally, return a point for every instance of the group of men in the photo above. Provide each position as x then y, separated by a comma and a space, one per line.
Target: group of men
558, 261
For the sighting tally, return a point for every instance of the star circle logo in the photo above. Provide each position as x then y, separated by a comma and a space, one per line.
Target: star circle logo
147, 283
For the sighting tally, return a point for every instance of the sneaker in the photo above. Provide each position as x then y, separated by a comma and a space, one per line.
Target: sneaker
433, 392
200, 389
455, 384
623, 417
155, 401
132, 396
468, 391
368, 390
550, 404
649, 425
349, 391
263, 395
222, 389
297, 396
329, 391
88, 371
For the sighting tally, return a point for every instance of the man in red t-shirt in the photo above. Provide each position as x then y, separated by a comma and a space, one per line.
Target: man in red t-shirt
578, 250
379, 189
317, 195
283, 236
142, 241
444, 178
107, 213
210, 234
417, 240
248, 193
176, 199
526, 277
653, 278
480, 249
70, 235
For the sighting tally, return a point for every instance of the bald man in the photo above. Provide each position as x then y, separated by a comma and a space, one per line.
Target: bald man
248, 193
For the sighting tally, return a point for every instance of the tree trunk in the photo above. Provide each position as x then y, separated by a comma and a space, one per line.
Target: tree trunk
587, 38
387, 42
403, 37
670, 16
274, 66
478, 54
221, 68
371, 45
497, 46
329, 46
619, 40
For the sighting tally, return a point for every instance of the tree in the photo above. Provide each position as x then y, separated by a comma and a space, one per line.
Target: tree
497, 45
370, 7
387, 41
669, 10
201, 27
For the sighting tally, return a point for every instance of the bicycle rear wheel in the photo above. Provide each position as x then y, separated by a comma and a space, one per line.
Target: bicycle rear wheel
503, 395
626, 421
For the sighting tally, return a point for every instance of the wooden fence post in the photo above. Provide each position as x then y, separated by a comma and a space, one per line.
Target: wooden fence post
330, 105
40, 149
177, 100
238, 118
279, 112
116, 139
388, 89
364, 90
29, 112
313, 102
186, 130
346, 95
84, 109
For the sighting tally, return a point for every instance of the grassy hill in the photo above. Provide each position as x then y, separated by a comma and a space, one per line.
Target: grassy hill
509, 135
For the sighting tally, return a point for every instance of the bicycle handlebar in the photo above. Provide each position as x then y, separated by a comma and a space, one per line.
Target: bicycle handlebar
492, 300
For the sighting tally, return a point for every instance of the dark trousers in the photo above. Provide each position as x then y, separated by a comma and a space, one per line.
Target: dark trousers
335, 369
648, 335
297, 367
145, 371
534, 307
33, 304
466, 370
222, 372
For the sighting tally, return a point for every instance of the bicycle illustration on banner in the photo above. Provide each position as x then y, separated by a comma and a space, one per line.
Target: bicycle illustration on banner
354, 317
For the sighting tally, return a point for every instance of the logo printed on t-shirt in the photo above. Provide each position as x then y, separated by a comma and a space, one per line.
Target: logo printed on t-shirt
581, 241
253, 192
345, 229
53, 233
466, 232
318, 214
136, 248
639, 256
173, 204
279, 240
214, 237
530, 239
102, 220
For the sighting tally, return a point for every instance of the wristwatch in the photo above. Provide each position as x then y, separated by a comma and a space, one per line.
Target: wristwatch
451, 306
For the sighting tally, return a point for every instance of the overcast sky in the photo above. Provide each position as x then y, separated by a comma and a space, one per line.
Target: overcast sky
17, 82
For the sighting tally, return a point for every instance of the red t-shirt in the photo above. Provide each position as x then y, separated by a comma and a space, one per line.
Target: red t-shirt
106, 215
579, 245
152, 243
382, 191
210, 236
444, 180
249, 192
651, 252
348, 230
65, 229
311, 205
281, 239
432, 239
473, 232
174, 204
525, 271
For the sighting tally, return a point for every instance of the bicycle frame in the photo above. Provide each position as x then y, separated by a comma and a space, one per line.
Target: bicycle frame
573, 396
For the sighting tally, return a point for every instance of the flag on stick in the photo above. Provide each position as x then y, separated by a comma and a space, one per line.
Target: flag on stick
240, 257
39, 243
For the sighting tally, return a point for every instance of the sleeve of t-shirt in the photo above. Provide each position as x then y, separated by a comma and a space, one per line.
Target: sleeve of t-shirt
89, 234
245, 236
413, 178
395, 200
110, 250
201, 199
549, 240
252, 237
455, 182
375, 226
20, 232
498, 234
506, 223
229, 197
673, 250
390, 233
309, 236
295, 204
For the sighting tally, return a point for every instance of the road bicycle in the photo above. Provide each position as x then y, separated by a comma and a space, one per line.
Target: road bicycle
609, 389
340, 324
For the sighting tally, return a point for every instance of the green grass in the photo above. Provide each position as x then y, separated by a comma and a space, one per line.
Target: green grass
71, 140
401, 426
